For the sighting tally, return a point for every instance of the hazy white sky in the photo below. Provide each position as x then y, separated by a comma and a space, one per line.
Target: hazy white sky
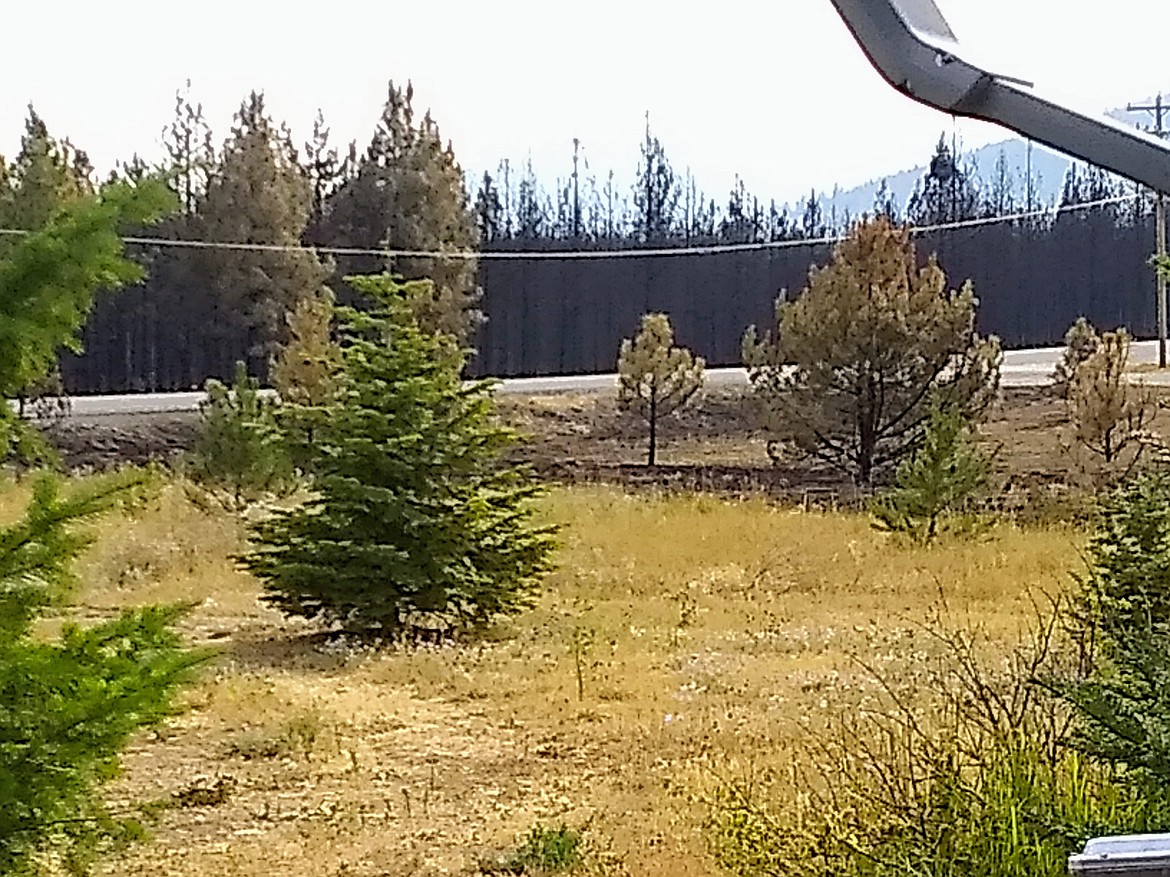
776, 91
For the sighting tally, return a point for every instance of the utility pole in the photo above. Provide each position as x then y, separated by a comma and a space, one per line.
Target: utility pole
1158, 109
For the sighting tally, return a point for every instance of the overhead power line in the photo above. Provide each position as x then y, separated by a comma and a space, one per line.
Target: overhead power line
541, 255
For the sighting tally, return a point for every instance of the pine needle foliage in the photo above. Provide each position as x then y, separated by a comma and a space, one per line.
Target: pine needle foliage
240, 454
655, 377
415, 520
303, 371
935, 487
1080, 342
68, 706
50, 277
1123, 612
1110, 415
847, 374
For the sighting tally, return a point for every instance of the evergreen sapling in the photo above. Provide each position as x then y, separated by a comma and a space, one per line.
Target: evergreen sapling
655, 377
933, 486
240, 454
415, 521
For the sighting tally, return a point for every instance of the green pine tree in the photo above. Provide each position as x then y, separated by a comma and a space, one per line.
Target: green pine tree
240, 454
936, 482
415, 521
49, 278
68, 705
46, 175
1122, 619
1080, 342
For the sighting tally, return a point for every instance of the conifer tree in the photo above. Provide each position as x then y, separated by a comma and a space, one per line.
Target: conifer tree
848, 373
655, 377
48, 280
812, 220
1110, 416
240, 455
489, 211
407, 193
304, 373
1080, 342
1087, 184
183, 322
46, 175
324, 169
415, 522
1000, 197
532, 208
191, 155
739, 225
884, 204
656, 192
934, 484
947, 193
434, 213
71, 703
304, 370
258, 195
1122, 614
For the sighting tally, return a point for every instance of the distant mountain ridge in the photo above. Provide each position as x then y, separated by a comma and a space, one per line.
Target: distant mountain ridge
1048, 169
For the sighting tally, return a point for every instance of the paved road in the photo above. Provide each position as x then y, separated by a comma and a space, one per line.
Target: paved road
1021, 368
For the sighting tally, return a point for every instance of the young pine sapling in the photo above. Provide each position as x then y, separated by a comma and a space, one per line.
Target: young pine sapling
656, 378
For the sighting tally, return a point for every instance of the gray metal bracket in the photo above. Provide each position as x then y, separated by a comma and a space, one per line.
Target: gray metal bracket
912, 46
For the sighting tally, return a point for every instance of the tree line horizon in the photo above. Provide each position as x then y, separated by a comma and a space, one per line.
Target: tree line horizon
199, 311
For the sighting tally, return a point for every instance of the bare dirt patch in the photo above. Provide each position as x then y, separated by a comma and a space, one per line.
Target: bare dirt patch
713, 445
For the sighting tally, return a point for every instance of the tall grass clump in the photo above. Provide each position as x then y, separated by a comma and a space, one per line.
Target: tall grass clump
965, 767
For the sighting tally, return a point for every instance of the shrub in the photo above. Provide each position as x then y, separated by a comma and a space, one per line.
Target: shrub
415, 520
848, 372
546, 851
934, 487
298, 736
655, 378
240, 454
68, 706
962, 769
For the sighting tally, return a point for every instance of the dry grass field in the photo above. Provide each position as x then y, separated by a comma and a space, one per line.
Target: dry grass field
684, 638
